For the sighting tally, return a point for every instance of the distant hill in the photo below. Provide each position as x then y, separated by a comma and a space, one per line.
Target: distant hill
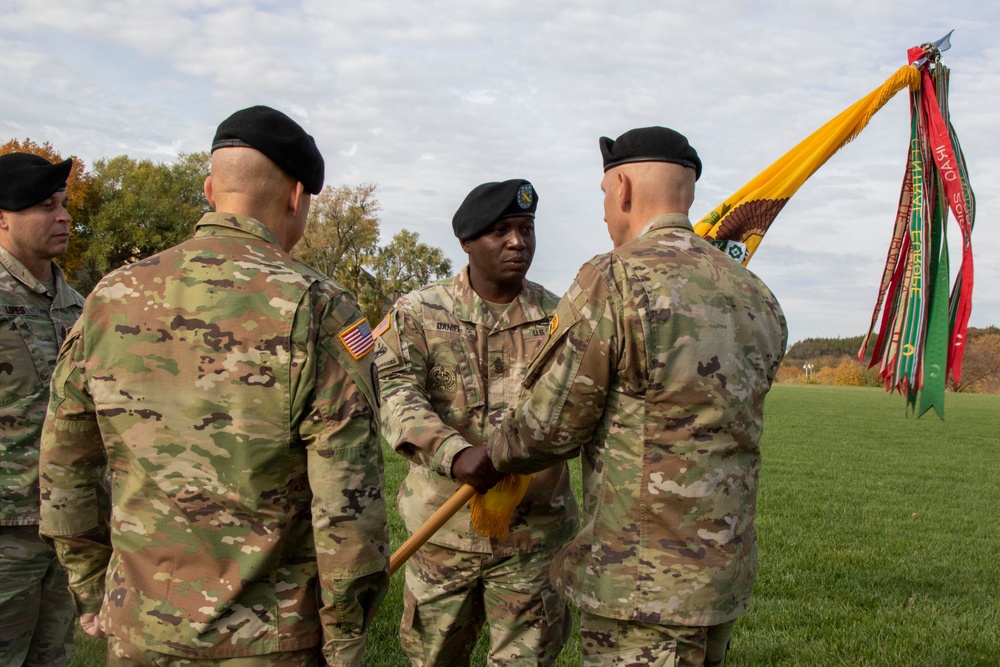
812, 348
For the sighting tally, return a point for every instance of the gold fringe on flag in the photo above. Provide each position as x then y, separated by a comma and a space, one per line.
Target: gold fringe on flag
492, 511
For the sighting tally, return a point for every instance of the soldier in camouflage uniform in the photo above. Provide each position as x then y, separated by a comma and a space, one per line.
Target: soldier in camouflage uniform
229, 389
451, 358
655, 371
37, 308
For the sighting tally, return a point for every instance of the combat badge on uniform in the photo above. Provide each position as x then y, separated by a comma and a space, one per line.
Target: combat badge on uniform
442, 377
358, 338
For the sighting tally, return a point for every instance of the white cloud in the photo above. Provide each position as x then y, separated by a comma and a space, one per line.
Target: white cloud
428, 99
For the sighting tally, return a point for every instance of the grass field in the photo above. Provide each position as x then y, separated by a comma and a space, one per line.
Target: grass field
879, 537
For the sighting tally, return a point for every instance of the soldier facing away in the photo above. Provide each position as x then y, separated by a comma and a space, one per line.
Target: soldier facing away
228, 390
37, 308
451, 363
655, 371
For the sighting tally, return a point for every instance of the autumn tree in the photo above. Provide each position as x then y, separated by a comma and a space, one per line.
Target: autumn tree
142, 207
981, 361
399, 267
80, 204
341, 236
342, 241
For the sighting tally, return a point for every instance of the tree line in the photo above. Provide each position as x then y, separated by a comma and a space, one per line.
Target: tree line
124, 210
834, 361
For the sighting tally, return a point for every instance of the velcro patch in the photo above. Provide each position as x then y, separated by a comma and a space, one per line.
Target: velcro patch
358, 339
384, 356
382, 326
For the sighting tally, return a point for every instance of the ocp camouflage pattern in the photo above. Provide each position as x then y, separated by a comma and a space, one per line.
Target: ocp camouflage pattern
449, 371
656, 373
32, 328
242, 442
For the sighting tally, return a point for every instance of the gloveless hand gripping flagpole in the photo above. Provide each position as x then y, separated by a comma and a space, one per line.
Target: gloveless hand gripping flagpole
913, 287
491, 514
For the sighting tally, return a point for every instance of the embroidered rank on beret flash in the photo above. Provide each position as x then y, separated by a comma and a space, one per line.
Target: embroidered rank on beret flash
358, 339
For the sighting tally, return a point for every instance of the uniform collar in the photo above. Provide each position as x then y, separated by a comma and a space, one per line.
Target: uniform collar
667, 220
470, 307
224, 224
27, 278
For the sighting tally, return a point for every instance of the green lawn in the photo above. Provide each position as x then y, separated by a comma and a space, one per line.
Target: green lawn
879, 537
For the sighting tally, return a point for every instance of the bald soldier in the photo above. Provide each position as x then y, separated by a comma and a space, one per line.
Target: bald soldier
228, 388
37, 308
451, 360
655, 371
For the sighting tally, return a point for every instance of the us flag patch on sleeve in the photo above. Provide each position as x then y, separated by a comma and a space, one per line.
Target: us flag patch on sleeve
358, 339
382, 326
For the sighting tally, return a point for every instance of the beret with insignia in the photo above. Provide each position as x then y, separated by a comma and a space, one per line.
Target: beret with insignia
650, 144
490, 202
26, 179
278, 137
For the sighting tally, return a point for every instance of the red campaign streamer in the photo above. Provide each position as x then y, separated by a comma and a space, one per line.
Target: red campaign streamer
947, 166
873, 345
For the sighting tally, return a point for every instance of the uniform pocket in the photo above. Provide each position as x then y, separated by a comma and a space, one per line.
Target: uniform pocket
23, 369
453, 381
663, 654
409, 618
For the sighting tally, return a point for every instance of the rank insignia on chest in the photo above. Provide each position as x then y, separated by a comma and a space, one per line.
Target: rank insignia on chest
554, 324
498, 366
358, 339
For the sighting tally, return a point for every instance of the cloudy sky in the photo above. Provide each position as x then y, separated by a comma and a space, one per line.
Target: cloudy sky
428, 99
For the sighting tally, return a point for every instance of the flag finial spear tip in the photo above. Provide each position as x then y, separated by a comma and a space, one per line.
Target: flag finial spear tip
933, 50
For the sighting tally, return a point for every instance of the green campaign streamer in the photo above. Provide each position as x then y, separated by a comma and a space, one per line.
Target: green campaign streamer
921, 339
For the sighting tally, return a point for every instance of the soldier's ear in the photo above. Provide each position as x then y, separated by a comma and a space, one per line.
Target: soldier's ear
209, 195
295, 197
624, 184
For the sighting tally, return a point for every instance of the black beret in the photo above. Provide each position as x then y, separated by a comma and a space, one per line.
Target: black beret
650, 144
27, 179
490, 202
279, 138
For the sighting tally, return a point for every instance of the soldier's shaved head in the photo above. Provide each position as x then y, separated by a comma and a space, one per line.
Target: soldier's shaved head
247, 173
637, 192
667, 187
245, 181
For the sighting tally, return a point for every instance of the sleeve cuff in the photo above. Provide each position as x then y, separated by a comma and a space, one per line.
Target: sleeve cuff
347, 652
446, 453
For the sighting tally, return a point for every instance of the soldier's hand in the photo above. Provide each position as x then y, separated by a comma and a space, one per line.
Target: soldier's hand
91, 624
473, 466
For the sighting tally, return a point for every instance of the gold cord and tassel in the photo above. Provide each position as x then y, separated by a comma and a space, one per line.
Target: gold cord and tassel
492, 511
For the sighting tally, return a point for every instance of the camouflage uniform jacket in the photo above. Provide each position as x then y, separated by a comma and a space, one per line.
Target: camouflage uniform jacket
656, 369
241, 436
33, 326
449, 373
